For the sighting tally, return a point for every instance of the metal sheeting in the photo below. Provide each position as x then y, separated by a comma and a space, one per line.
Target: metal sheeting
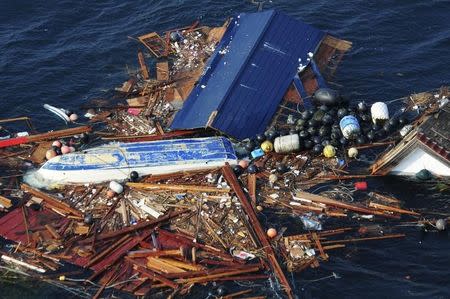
248, 74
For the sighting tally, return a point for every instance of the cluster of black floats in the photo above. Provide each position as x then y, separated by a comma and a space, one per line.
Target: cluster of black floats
319, 125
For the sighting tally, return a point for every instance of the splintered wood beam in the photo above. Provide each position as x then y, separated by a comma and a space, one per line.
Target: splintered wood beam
251, 182
139, 226
232, 180
51, 201
44, 136
189, 188
213, 277
393, 236
5, 202
339, 204
392, 209
144, 69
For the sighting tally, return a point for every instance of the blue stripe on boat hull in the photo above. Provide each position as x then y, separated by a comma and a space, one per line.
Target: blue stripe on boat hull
146, 154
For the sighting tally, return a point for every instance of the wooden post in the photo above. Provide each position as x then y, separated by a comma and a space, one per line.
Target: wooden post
144, 69
231, 178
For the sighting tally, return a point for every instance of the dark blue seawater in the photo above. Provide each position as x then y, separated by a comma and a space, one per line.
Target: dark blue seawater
66, 52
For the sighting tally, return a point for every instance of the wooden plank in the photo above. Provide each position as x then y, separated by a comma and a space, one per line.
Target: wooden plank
339, 204
5, 202
144, 69
267, 247
161, 266
251, 185
52, 231
178, 188
51, 201
392, 209
393, 236
162, 71
44, 136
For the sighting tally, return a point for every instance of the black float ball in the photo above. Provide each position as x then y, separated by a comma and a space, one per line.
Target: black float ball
325, 142
402, 121
343, 141
387, 127
260, 138
362, 107
371, 135
360, 139
299, 128
317, 149
221, 291
376, 127
312, 131
324, 131
312, 123
281, 168
324, 108
303, 134
393, 122
35, 206
271, 135
249, 146
317, 139
380, 134
237, 169
306, 115
88, 218
84, 138
327, 119
365, 117
341, 113
308, 144
252, 168
134, 176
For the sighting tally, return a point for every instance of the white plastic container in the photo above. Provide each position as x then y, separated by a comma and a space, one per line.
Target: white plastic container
116, 187
287, 144
379, 111
349, 126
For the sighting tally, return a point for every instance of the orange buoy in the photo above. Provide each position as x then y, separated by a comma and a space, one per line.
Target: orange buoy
73, 117
65, 149
110, 194
271, 233
56, 143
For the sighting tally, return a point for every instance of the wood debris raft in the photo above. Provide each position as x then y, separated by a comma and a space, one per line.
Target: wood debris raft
166, 232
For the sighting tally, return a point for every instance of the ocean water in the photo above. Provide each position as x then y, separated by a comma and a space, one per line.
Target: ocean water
66, 52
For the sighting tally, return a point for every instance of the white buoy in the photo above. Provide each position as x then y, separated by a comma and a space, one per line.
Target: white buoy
441, 224
116, 187
349, 126
352, 152
379, 111
287, 144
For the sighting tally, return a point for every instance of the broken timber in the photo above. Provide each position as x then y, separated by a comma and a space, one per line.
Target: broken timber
234, 183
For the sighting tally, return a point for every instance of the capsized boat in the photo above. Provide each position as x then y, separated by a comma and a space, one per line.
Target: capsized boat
115, 161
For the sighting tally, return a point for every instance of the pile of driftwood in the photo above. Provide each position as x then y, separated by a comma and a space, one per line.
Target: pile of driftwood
169, 233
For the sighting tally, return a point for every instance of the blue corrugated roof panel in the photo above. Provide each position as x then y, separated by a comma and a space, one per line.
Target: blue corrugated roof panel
248, 74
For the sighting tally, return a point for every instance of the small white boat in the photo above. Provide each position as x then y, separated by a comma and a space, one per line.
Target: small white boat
116, 161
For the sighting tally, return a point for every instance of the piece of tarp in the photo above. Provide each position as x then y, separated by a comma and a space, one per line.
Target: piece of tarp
249, 72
